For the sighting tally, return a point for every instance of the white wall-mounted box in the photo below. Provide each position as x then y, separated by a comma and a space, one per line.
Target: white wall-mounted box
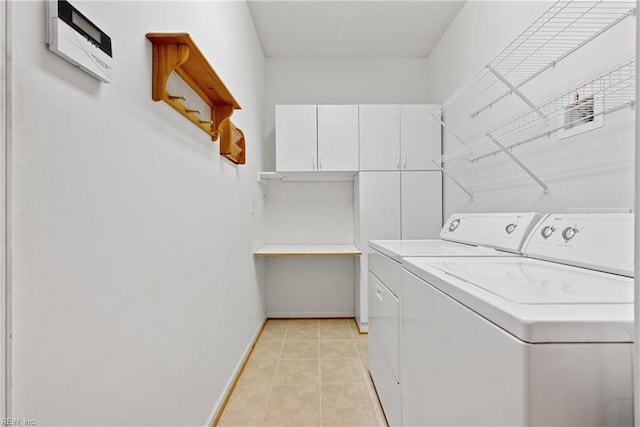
75, 38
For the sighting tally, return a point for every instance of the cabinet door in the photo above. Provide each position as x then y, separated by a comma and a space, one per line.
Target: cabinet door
420, 137
421, 204
379, 137
338, 137
379, 206
296, 138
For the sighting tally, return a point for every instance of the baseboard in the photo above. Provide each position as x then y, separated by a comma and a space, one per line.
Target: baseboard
222, 400
315, 315
363, 327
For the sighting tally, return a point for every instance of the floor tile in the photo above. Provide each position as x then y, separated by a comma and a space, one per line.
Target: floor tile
341, 402
276, 323
303, 322
296, 365
267, 350
294, 402
336, 333
248, 403
300, 350
239, 423
328, 323
338, 349
298, 371
295, 423
275, 333
362, 343
341, 371
365, 368
259, 371
354, 422
301, 333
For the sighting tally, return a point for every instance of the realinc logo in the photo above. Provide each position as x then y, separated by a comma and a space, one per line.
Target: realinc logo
18, 422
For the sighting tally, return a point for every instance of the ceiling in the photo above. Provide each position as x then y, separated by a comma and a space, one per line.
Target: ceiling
315, 28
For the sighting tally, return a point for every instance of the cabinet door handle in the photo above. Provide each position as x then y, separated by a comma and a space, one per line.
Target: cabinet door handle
379, 293
313, 162
398, 161
319, 162
404, 161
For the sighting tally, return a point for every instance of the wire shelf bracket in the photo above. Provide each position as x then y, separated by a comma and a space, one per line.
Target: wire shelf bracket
514, 90
520, 164
455, 181
448, 129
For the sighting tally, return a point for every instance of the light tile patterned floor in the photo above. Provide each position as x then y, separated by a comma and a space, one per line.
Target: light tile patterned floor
306, 372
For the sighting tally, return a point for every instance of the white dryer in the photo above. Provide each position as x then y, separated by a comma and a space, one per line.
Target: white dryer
545, 340
500, 234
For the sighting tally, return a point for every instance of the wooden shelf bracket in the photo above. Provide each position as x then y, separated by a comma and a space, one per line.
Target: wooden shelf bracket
176, 52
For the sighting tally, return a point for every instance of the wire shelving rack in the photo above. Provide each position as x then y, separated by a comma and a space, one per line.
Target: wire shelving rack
560, 31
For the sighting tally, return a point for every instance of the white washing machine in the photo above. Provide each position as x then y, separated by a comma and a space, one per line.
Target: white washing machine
545, 340
502, 234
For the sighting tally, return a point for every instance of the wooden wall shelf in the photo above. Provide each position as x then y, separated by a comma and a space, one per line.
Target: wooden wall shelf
177, 52
308, 250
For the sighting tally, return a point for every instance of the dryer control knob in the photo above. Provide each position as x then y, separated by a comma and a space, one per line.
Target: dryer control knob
569, 232
547, 231
454, 224
510, 228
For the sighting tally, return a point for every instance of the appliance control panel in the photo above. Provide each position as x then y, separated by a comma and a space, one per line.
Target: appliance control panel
502, 231
600, 241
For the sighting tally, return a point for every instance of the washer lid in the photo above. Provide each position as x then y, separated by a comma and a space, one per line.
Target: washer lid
526, 282
536, 301
398, 249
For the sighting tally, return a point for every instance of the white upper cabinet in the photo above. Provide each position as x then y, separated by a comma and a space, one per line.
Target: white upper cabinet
296, 138
420, 137
399, 137
316, 138
379, 137
337, 137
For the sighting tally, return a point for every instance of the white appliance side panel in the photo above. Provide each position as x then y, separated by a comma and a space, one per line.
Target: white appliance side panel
296, 138
421, 204
458, 369
420, 137
379, 207
596, 378
387, 388
383, 321
384, 336
379, 137
337, 137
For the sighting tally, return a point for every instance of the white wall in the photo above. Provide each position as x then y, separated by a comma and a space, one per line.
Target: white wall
4, 121
136, 292
636, 360
593, 170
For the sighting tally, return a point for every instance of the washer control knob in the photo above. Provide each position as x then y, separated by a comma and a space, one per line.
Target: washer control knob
547, 231
569, 232
454, 224
510, 228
